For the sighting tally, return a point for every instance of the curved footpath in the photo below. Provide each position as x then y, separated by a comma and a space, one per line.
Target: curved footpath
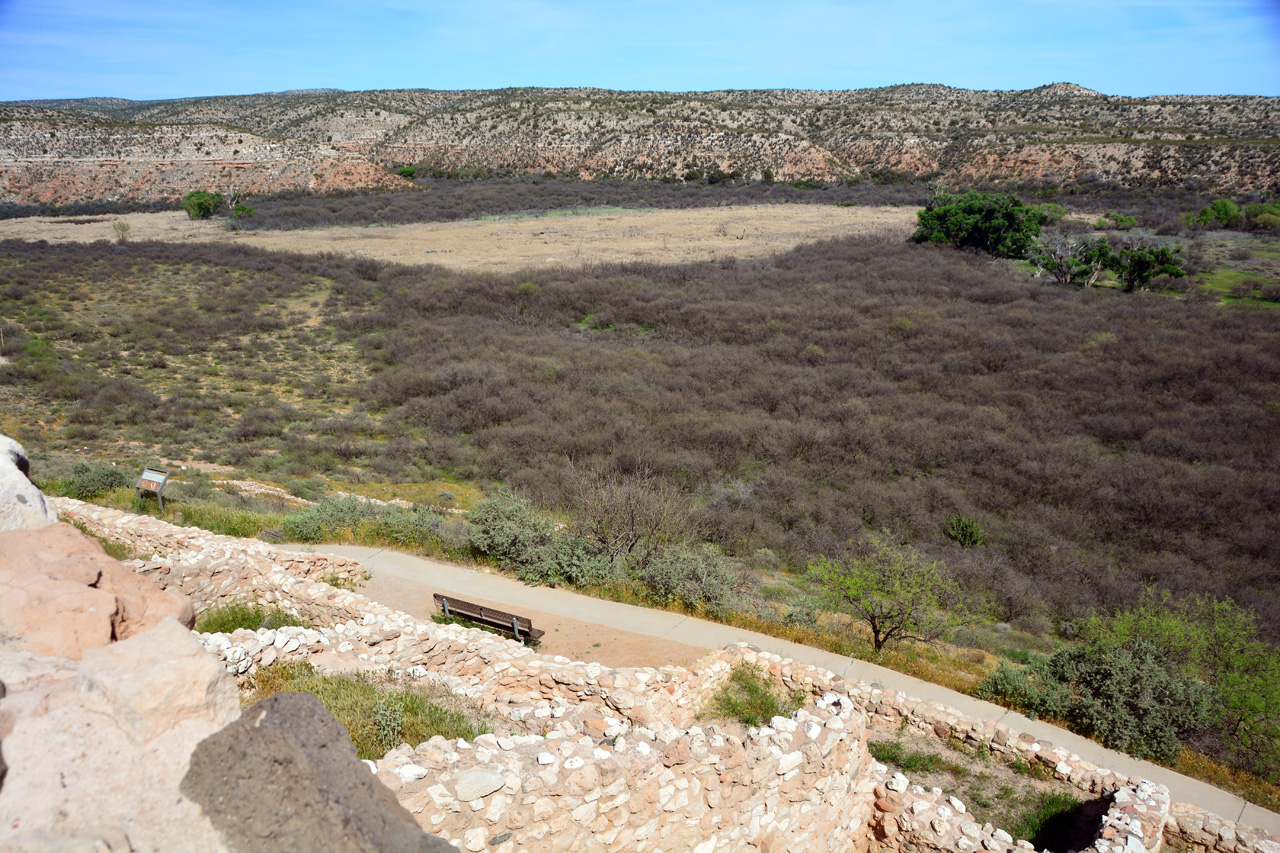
466, 581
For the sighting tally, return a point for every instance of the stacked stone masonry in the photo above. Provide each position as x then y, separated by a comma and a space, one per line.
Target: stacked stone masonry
619, 761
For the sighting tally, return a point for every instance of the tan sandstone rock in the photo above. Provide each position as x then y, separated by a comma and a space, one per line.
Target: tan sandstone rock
77, 767
61, 594
154, 681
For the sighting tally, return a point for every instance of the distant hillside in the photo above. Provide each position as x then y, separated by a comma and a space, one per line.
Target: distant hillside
1061, 133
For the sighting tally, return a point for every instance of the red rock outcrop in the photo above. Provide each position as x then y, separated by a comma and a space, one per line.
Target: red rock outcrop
60, 594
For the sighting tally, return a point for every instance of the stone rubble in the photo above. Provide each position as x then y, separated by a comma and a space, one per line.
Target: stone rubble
619, 761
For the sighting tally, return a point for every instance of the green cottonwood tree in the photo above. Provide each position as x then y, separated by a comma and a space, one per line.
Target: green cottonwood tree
891, 588
202, 205
1138, 262
992, 222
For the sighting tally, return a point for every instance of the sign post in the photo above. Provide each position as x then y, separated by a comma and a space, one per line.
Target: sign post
152, 480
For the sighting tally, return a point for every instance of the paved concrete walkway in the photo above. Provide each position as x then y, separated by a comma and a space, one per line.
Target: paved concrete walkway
468, 581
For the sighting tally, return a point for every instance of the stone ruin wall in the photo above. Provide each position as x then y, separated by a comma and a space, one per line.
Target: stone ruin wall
618, 761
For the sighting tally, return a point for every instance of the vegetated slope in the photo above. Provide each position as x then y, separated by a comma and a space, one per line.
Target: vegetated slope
47, 159
1101, 440
1057, 133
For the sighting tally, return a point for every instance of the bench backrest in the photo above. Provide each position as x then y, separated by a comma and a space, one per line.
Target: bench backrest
480, 613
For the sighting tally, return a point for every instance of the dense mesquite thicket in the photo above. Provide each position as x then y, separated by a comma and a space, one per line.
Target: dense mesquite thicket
1102, 441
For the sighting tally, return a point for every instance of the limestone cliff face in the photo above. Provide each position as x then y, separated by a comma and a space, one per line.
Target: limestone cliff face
56, 151
47, 161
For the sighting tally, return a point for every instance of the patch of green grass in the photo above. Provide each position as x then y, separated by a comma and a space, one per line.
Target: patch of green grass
234, 615
215, 518
751, 699
378, 715
1048, 820
115, 550
908, 761
1035, 771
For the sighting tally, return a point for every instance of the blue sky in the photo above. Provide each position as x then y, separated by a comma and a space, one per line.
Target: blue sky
155, 49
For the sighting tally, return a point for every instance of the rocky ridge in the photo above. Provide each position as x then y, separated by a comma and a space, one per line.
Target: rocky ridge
535, 791
323, 140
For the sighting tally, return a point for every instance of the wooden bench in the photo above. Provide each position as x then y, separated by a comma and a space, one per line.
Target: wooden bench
520, 626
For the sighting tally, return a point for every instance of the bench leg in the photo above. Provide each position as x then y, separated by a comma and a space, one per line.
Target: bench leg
444, 602
515, 629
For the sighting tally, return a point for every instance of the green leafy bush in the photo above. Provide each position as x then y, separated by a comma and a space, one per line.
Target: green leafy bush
1263, 216
1221, 211
1053, 213
1116, 221
234, 615
506, 528
1219, 643
695, 577
965, 532
990, 222
344, 517
892, 589
1137, 263
87, 481
1127, 697
571, 560
202, 205
751, 699
241, 211
406, 172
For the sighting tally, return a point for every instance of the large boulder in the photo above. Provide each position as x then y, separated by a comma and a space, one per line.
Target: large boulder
61, 594
22, 505
96, 750
154, 681
285, 777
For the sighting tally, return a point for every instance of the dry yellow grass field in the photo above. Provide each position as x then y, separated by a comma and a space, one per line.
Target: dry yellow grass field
512, 243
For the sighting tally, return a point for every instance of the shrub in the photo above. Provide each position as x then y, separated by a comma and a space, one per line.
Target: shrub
1125, 696
87, 481
695, 577
506, 529
1116, 221
406, 172
965, 532
1138, 262
891, 588
571, 560
202, 205
234, 615
1221, 211
241, 211
990, 222
1242, 289
1053, 213
750, 698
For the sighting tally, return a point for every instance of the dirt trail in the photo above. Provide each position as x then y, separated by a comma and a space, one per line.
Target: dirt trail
576, 640
509, 244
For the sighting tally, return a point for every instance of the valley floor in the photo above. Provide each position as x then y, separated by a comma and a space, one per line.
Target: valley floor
514, 243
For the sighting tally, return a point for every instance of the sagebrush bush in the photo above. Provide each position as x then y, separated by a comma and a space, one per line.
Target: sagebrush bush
87, 482
698, 578
339, 518
508, 530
